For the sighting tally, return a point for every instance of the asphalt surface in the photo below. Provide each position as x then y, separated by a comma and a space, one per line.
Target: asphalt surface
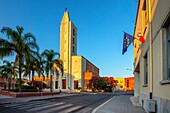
76, 104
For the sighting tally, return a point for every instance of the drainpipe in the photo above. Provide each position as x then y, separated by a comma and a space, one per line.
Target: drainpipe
150, 50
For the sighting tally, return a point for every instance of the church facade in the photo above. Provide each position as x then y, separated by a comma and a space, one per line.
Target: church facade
77, 69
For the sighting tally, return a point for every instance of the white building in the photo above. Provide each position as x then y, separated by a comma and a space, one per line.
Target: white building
152, 58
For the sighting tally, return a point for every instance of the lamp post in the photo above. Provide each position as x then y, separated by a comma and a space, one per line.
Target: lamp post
136, 83
129, 69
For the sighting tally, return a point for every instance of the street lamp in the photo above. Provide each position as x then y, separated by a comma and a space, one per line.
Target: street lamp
129, 69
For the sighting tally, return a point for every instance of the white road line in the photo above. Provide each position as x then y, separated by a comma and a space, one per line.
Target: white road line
85, 110
70, 109
94, 111
35, 105
18, 104
47, 106
56, 108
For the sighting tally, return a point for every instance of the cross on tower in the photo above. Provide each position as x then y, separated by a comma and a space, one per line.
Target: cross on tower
66, 9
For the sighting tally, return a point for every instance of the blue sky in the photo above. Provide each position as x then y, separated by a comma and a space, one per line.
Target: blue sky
100, 24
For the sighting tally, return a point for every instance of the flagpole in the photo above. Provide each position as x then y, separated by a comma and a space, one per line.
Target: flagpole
150, 50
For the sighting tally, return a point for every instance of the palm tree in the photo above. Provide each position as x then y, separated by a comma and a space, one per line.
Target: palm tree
52, 64
23, 45
34, 64
7, 71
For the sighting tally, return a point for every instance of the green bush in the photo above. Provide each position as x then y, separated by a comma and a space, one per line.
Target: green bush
29, 87
26, 89
16, 90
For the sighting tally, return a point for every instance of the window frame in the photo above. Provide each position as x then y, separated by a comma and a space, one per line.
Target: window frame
74, 32
73, 49
73, 41
168, 51
165, 32
127, 83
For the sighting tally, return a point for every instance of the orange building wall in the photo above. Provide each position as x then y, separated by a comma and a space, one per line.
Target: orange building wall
91, 70
129, 84
46, 79
87, 76
37, 78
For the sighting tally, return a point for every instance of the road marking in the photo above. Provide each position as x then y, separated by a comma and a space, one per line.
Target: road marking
94, 111
70, 109
85, 110
18, 104
56, 108
34, 105
38, 108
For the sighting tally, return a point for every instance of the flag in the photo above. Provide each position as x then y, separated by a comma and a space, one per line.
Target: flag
141, 38
128, 39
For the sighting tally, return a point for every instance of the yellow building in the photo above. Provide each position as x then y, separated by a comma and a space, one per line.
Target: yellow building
151, 59
120, 83
82, 72
76, 68
125, 84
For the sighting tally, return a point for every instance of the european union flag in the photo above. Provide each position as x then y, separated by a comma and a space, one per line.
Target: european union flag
128, 39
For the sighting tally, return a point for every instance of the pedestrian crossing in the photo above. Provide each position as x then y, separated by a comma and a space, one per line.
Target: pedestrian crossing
45, 106
71, 109
48, 107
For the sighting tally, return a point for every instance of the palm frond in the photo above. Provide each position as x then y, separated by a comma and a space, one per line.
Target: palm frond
6, 44
45, 53
6, 52
29, 37
59, 65
7, 31
56, 53
11, 34
20, 30
33, 45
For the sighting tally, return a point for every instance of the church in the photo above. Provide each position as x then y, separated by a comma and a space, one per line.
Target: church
77, 69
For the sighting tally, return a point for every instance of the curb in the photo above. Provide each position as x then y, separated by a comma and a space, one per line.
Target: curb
94, 111
18, 101
134, 103
52, 97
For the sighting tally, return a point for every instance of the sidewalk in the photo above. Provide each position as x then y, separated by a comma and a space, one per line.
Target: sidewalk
8, 99
118, 104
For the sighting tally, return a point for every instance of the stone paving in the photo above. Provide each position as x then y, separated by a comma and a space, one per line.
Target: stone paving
119, 104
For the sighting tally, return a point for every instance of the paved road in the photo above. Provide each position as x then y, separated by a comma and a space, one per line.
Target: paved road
76, 104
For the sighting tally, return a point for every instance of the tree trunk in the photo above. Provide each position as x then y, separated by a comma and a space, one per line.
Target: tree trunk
14, 83
29, 77
50, 80
9, 83
20, 80
32, 77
